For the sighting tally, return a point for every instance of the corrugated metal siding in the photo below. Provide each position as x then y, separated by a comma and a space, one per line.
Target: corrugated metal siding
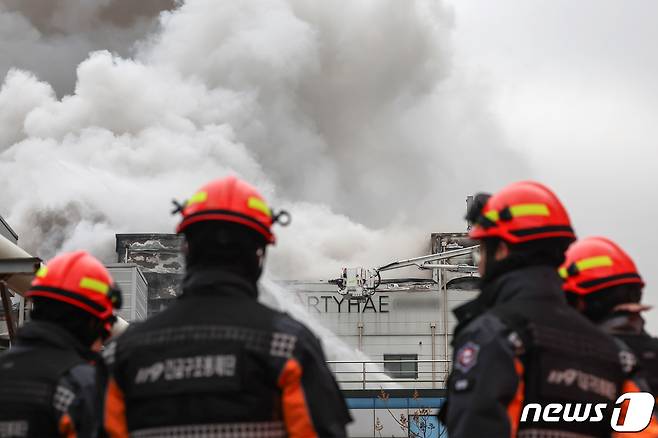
141, 294
133, 286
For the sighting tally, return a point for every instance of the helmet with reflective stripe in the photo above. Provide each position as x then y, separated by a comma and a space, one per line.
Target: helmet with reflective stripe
597, 263
79, 279
521, 212
231, 200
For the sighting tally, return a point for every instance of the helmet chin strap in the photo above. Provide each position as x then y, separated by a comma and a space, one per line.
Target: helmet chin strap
260, 254
493, 267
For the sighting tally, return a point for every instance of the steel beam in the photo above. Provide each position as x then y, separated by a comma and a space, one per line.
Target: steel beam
13, 266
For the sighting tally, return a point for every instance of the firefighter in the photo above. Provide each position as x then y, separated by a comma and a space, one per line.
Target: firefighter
519, 342
602, 282
217, 362
51, 380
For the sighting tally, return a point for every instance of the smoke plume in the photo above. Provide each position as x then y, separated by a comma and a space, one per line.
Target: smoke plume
51, 37
350, 115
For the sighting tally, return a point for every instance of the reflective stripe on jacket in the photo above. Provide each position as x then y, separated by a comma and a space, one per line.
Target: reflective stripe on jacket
217, 360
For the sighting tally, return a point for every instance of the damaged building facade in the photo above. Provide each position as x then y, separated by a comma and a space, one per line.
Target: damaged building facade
161, 262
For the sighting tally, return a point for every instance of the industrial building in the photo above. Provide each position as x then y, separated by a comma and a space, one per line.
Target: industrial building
404, 329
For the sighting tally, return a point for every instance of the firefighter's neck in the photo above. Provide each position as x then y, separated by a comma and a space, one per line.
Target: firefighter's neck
214, 274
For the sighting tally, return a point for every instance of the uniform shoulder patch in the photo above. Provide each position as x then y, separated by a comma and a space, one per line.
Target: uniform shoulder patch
467, 356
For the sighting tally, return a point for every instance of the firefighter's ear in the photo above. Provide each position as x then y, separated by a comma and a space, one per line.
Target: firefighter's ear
502, 251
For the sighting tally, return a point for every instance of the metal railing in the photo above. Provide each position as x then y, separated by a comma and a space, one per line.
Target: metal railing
372, 374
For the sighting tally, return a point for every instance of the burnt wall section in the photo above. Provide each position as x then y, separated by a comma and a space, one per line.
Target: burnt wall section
161, 261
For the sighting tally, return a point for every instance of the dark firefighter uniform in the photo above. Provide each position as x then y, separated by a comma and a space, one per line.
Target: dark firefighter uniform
519, 342
48, 385
52, 380
530, 347
602, 281
218, 363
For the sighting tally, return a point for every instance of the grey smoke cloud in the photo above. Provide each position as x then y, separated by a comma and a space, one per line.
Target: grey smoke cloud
354, 118
51, 37
74, 16
364, 96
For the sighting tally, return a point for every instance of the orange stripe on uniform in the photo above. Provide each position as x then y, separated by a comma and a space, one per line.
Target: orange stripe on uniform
516, 404
652, 429
295, 410
115, 412
66, 427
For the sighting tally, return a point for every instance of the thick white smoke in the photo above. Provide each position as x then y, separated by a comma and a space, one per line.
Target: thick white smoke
348, 114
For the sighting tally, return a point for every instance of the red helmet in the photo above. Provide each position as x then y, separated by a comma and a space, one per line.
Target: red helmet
231, 200
597, 263
521, 212
79, 279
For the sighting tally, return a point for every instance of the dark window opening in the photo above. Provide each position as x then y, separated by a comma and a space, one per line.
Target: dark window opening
401, 370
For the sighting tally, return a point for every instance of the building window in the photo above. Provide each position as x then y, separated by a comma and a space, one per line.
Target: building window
401, 370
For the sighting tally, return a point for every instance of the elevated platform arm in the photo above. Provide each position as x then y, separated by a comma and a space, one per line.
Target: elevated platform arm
424, 262
360, 283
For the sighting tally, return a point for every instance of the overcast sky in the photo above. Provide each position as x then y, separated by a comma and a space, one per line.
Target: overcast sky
575, 87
